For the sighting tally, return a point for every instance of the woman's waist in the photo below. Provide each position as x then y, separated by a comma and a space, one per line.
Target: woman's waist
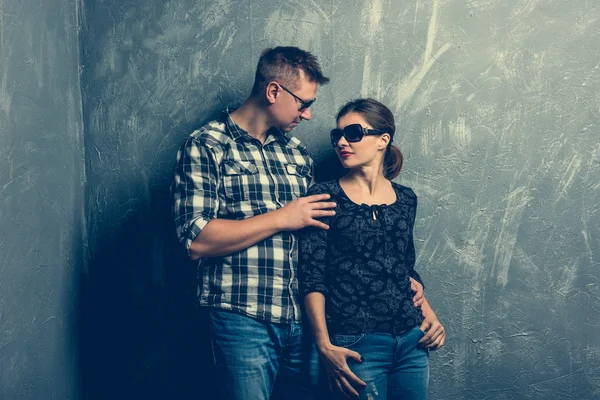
354, 322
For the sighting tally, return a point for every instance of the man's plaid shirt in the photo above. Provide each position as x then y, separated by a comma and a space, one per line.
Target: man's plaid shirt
222, 172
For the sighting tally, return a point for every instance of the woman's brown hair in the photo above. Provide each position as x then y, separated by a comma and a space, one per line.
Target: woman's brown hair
381, 118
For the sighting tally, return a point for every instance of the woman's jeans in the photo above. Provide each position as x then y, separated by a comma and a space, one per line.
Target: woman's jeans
252, 355
393, 366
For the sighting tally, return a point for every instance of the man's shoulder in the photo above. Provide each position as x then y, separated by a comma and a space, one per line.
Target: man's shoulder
213, 133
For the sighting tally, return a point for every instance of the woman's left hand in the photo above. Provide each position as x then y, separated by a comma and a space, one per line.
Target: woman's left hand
435, 334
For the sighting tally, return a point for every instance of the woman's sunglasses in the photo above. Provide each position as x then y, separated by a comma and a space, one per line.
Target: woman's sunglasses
352, 133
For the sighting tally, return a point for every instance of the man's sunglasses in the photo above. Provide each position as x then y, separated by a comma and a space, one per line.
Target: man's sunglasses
304, 104
352, 133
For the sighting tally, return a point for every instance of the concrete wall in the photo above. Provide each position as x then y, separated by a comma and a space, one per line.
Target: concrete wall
497, 106
41, 199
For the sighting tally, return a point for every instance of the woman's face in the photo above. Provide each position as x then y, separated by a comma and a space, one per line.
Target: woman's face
368, 152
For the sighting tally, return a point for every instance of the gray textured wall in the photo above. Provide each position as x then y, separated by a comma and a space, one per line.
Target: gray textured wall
41, 175
498, 107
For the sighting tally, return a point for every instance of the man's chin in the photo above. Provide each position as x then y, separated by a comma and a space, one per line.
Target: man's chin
290, 127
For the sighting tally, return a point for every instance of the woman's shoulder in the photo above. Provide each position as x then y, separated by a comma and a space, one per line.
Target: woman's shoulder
329, 187
404, 190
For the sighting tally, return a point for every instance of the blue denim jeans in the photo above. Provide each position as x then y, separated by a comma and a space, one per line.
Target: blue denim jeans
394, 367
254, 358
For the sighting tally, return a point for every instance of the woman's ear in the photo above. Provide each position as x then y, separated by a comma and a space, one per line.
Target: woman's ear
271, 92
384, 140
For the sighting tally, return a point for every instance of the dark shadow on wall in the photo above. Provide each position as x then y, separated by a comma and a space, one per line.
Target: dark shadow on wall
141, 336
328, 167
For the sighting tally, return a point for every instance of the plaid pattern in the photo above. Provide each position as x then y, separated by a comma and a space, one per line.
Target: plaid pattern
222, 172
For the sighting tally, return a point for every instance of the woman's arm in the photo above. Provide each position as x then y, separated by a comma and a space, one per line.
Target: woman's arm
334, 358
314, 303
314, 282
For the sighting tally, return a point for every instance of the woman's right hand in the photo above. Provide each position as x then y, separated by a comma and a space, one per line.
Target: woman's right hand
339, 374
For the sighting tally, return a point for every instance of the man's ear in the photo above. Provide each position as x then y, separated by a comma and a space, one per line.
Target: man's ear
271, 92
384, 141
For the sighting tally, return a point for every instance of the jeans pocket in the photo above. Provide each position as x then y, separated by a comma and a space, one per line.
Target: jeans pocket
414, 336
417, 333
347, 341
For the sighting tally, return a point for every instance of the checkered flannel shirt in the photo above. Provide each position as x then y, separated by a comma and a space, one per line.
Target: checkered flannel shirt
222, 172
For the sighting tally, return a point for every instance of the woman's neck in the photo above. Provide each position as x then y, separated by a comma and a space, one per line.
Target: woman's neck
368, 187
365, 180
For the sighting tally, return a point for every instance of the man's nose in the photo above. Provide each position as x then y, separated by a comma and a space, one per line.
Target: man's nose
306, 114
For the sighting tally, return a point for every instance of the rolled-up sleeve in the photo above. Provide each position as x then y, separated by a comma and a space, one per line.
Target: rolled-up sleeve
195, 189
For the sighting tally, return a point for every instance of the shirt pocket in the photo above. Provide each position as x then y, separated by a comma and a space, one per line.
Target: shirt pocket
298, 178
238, 177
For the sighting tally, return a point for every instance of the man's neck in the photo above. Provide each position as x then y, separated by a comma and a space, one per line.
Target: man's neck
252, 118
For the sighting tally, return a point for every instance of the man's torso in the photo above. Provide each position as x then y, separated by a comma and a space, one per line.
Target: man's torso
255, 178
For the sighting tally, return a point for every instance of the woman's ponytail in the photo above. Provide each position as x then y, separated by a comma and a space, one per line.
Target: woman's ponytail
392, 162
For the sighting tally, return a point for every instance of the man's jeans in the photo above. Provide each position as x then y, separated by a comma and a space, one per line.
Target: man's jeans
394, 367
251, 355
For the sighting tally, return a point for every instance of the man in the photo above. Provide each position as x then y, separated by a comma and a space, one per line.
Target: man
237, 193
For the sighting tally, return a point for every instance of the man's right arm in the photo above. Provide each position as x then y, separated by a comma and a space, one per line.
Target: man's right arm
223, 236
196, 204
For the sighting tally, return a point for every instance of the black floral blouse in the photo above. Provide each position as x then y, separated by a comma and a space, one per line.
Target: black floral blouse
363, 263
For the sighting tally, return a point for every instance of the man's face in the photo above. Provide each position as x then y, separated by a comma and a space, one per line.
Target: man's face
293, 104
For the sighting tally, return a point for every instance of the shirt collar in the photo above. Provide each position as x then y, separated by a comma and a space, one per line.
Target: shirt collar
232, 128
238, 133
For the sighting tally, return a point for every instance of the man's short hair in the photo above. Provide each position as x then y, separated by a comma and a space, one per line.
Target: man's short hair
283, 64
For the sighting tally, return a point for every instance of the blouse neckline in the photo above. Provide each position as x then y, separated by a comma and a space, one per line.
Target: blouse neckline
341, 189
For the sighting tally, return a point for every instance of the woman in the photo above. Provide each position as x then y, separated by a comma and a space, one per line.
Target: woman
356, 276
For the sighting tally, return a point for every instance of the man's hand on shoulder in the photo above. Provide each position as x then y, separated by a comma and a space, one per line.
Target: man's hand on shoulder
304, 212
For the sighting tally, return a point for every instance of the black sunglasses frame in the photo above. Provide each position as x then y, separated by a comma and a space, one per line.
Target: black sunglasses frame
304, 104
352, 133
